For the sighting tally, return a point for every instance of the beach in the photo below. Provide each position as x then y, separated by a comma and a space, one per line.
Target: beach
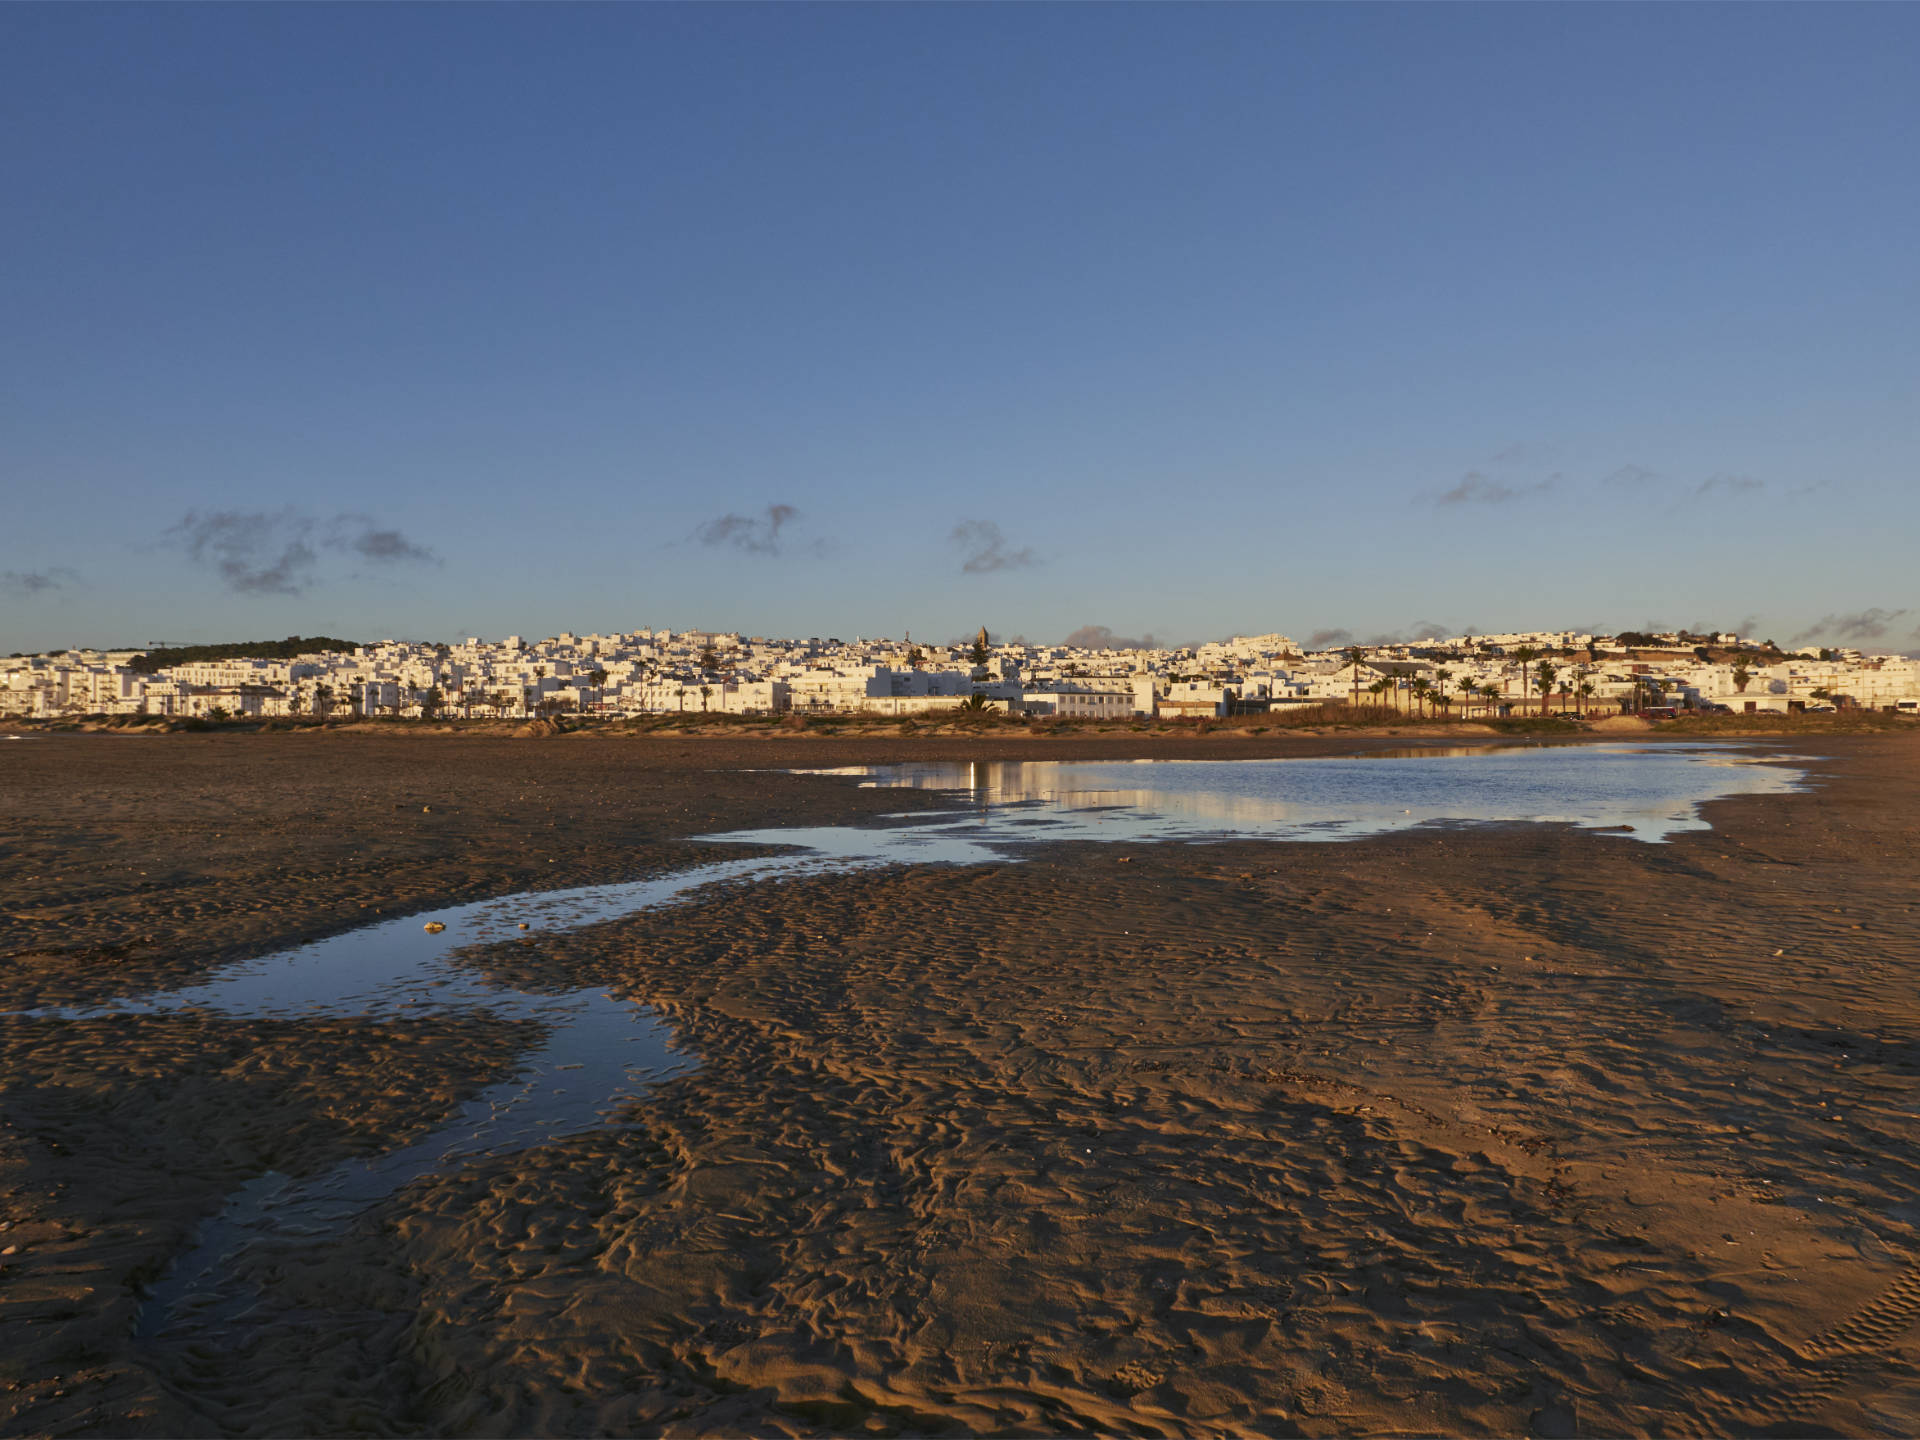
1511, 1128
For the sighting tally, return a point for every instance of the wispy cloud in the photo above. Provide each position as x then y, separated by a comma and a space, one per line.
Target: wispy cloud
1633, 477
1099, 637
752, 534
254, 552
359, 534
1513, 475
987, 550
1476, 488
262, 552
1653, 485
1726, 485
35, 582
1418, 633
1871, 624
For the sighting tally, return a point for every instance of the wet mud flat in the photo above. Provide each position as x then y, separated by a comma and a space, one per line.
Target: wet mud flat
1514, 1128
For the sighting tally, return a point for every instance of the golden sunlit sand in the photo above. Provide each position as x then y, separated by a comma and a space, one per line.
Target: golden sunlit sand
1513, 1129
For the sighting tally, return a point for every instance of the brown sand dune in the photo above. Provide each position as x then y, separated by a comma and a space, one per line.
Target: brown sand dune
1509, 1130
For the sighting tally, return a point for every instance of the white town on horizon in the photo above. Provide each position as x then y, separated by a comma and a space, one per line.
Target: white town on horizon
651, 672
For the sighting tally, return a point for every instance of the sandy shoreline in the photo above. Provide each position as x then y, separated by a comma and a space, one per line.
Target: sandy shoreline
1518, 1129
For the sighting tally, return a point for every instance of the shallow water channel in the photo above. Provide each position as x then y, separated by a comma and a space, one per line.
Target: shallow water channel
600, 1051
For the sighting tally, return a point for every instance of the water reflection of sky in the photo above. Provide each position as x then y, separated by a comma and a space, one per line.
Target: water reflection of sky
1649, 792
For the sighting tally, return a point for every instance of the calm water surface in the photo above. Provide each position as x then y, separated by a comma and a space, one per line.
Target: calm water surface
1646, 792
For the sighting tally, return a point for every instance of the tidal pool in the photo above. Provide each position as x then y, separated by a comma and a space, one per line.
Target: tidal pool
1645, 792
600, 1050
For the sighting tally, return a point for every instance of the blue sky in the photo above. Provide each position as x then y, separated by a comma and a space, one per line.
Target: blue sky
434, 320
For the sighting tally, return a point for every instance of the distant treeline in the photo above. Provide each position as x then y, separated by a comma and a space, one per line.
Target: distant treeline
1640, 640
156, 660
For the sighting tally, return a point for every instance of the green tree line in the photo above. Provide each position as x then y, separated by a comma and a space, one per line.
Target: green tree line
154, 661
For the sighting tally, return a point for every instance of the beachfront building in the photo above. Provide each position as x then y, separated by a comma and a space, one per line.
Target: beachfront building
1079, 702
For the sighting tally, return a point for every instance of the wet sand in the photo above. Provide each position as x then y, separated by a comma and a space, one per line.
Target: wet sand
1516, 1129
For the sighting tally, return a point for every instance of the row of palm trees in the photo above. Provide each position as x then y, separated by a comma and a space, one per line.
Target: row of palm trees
1442, 691
500, 702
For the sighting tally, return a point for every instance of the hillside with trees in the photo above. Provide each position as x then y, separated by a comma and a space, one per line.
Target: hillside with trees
153, 661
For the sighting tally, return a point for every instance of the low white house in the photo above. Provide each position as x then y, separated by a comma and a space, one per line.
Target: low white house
1079, 704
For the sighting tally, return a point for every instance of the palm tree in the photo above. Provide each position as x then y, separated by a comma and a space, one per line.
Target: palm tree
1586, 696
1491, 694
1545, 672
1467, 692
598, 679
322, 699
1377, 689
1526, 655
1742, 673
1354, 656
